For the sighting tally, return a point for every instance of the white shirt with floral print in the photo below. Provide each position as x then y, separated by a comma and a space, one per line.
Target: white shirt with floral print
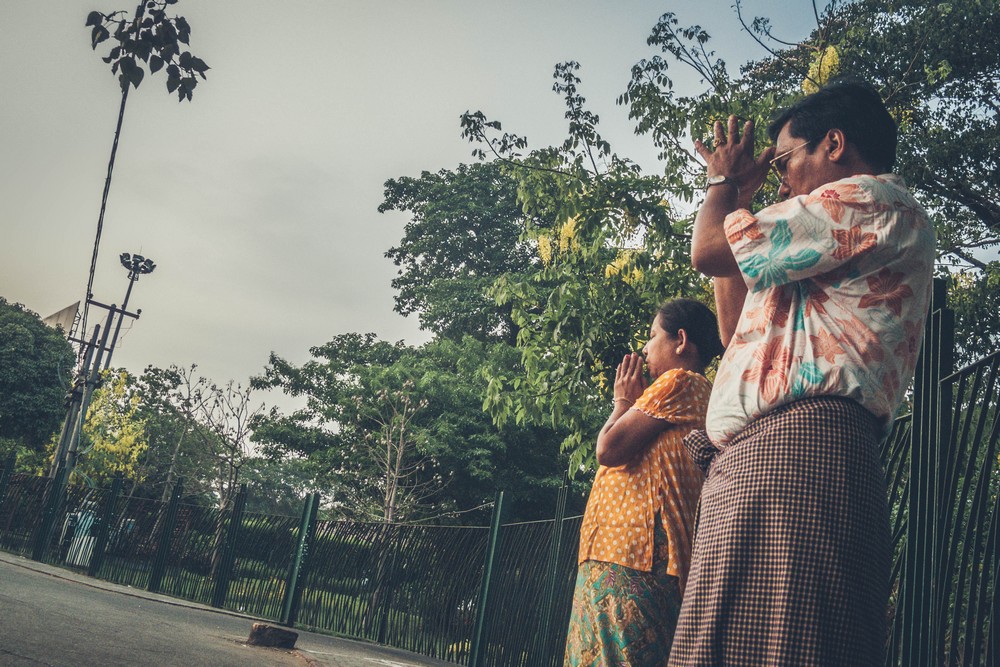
839, 286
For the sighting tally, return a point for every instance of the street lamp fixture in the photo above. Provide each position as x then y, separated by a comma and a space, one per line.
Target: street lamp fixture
137, 265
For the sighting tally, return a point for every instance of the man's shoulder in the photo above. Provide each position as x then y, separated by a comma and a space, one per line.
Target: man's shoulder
881, 188
870, 193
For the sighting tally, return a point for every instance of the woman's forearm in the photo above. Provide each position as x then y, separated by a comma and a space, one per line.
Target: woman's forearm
606, 445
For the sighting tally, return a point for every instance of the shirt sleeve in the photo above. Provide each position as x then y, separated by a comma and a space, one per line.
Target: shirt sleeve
805, 236
676, 397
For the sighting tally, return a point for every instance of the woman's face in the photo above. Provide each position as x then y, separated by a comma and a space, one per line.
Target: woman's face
660, 351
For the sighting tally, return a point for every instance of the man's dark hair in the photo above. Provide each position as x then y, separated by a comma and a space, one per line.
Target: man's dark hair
698, 321
850, 105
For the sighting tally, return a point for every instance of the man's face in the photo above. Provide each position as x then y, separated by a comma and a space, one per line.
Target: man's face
803, 166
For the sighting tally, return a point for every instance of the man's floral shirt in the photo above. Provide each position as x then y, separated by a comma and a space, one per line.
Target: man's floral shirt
839, 285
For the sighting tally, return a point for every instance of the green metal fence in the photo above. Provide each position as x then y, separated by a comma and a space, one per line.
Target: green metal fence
944, 487
414, 587
420, 588
500, 595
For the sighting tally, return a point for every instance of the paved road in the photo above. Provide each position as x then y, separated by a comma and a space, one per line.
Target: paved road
53, 617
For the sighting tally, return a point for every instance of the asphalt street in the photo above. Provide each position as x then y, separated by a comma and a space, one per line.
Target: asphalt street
54, 617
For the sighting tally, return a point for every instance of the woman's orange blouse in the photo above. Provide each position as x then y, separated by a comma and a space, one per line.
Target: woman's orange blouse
625, 500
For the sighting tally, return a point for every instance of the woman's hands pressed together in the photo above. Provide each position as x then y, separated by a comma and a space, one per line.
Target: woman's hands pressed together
629, 379
627, 433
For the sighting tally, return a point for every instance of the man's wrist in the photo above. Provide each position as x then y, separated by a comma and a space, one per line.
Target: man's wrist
721, 180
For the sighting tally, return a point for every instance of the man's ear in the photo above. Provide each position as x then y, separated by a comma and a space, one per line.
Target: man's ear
835, 145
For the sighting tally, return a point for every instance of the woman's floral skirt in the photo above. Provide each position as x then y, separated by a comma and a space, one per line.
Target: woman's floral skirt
623, 616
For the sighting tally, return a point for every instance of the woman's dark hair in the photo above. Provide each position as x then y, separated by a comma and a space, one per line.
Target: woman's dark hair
698, 321
850, 105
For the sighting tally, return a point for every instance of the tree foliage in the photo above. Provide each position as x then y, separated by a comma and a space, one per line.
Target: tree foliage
170, 423
398, 433
975, 298
613, 241
115, 434
464, 233
179, 445
36, 363
611, 247
149, 38
936, 64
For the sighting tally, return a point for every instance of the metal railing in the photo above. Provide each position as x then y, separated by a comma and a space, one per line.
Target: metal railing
475, 596
944, 487
501, 595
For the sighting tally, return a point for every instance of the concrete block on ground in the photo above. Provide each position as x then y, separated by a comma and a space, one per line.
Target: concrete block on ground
262, 634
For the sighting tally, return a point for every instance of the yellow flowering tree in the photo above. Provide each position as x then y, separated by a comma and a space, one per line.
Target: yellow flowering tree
115, 440
610, 250
824, 66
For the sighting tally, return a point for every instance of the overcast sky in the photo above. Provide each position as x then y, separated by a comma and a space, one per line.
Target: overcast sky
257, 200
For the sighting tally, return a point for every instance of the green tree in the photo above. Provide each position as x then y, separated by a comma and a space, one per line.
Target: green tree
398, 433
523, 460
611, 247
36, 363
587, 209
277, 485
196, 429
464, 232
179, 445
114, 434
170, 423
975, 299
936, 64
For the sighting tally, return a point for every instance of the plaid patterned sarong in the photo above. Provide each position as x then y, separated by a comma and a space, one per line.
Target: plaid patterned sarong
792, 547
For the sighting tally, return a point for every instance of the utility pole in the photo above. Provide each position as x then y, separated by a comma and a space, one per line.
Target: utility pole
88, 379
93, 354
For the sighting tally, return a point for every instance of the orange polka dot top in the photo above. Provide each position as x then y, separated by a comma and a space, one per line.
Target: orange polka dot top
625, 500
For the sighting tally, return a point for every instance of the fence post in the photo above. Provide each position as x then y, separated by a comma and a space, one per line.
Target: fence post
477, 656
51, 502
920, 579
941, 451
296, 570
225, 569
543, 642
104, 527
5, 475
385, 574
165, 538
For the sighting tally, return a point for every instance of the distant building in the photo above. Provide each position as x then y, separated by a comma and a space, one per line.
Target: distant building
64, 318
